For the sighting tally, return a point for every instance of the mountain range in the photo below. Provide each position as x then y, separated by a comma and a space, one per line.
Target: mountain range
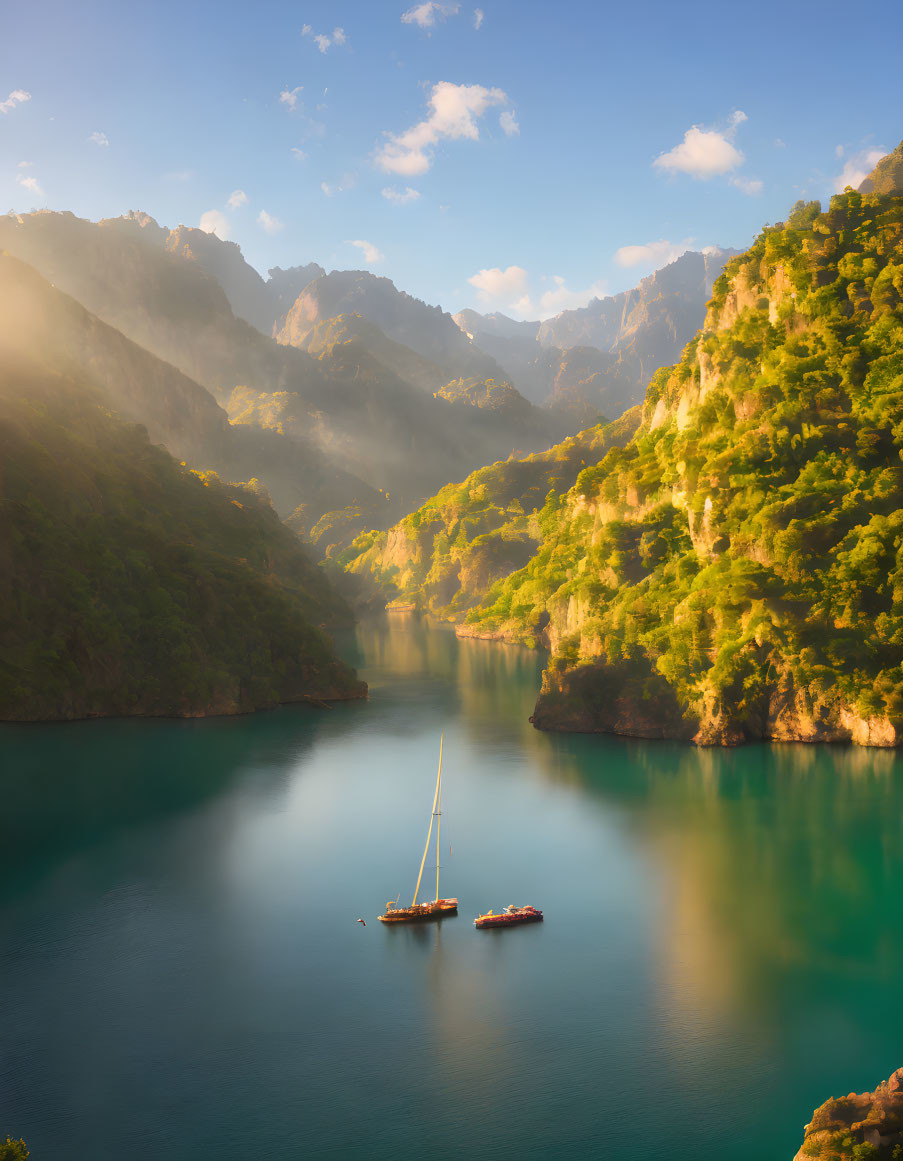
601, 357
147, 372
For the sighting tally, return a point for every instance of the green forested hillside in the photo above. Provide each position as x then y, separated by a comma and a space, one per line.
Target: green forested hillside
132, 585
737, 569
443, 557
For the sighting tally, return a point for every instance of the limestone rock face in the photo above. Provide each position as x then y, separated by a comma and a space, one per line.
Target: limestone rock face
870, 1118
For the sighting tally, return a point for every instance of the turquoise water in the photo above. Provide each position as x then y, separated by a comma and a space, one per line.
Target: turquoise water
182, 976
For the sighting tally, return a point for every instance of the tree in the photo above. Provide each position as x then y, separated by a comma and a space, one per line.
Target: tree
11, 1150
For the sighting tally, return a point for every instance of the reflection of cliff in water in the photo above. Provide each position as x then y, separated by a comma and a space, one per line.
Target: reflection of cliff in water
807, 838
490, 687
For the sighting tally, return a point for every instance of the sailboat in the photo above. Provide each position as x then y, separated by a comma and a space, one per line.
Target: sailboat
435, 908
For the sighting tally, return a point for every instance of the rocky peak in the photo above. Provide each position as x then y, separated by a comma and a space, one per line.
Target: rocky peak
842, 1126
245, 289
887, 176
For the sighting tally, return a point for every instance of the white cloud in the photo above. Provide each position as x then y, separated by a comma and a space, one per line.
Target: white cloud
25, 165
509, 124
705, 153
31, 184
655, 254
400, 196
99, 139
371, 254
857, 168
500, 285
269, 223
16, 97
748, 185
561, 298
838, 151
298, 154
237, 198
324, 41
428, 14
215, 222
477, 18
779, 144
290, 96
453, 110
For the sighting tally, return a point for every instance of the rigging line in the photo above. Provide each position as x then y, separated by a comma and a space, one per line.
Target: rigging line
438, 819
429, 833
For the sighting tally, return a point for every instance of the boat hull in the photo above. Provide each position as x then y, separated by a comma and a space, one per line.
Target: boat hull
513, 917
421, 912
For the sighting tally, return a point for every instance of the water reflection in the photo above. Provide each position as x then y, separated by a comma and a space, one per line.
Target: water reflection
721, 930
780, 866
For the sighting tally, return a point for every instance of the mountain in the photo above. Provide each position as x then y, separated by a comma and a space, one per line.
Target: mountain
602, 356
734, 571
38, 319
284, 286
329, 334
443, 558
130, 585
428, 330
660, 308
859, 1126
249, 296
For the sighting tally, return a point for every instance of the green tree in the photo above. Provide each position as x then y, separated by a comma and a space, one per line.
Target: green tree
11, 1150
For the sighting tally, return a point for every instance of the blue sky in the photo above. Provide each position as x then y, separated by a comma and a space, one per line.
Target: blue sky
515, 155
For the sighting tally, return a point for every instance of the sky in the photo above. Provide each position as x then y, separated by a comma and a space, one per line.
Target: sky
516, 155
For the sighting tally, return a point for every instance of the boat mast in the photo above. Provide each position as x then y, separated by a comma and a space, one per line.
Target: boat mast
438, 819
429, 833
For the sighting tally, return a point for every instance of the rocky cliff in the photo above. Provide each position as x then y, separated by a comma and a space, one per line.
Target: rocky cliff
864, 1126
734, 572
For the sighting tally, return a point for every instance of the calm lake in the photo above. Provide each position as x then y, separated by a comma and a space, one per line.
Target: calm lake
182, 976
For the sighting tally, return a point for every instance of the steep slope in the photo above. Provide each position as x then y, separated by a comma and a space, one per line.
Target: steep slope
284, 286
737, 570
602, 356
249, 296
404, 362
131, 585
362, 416
661, 307
864, 1126
444, 557
179, 413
